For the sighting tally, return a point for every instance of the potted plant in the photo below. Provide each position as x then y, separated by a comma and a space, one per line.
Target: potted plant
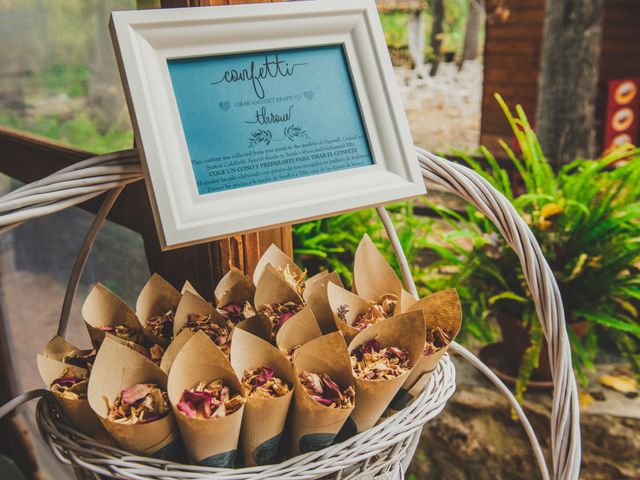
586, 218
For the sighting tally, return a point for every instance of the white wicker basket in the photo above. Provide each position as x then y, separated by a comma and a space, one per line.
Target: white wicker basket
381, 452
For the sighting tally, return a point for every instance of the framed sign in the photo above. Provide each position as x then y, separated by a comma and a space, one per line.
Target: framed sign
254, 116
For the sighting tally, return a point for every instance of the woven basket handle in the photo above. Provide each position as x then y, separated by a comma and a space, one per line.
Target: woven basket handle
113, 171
565, 414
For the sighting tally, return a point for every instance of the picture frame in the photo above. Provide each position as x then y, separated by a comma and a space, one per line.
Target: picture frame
203, 83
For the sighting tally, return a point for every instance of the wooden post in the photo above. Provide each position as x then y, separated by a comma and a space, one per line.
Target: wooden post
205, 264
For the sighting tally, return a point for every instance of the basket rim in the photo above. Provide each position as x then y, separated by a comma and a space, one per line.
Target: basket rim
73, 447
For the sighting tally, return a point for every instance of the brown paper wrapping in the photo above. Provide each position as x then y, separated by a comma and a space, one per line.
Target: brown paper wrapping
313, 426
406, 301
277, 259
301, 328
156, 298
373, 277
234, 287
258, 325
104, 308
209, 442
79, 412
405, 331
441, 309
115, 369
190, 304
337, 297
188, 287
264, 419
315, 295
273, 288
174, 347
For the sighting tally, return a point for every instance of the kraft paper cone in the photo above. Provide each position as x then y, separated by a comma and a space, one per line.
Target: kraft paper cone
339, 297
373, 277
264, 418
188, 287
57, 349
441, 309
156, 298
406, 331
115, 369
315, 295
104, 308
79, 412
210, 442
273, 288
277, 259
174, 347
404, 397
298, 330
258, 325
313, 426
235, 287
406, 301
190, 304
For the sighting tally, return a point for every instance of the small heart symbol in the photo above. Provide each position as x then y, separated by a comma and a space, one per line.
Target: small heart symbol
224, 106
308, 94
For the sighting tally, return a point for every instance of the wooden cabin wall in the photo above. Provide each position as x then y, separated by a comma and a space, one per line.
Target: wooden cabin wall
512, 59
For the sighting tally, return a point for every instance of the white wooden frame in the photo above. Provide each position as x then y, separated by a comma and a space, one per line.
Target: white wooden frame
144, 40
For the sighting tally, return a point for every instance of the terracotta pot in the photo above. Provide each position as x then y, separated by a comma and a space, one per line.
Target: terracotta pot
515, 340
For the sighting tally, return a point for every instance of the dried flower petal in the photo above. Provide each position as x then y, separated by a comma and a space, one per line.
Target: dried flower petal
140, 403
220, 334
70, 386
235, 313
262, 383
212, 400
80, 358
325, 391
124, 332
297, 281
383, 308
280, 313
162, 325
436, 339
372, 361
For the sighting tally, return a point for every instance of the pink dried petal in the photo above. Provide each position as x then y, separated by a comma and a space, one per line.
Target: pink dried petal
135, 392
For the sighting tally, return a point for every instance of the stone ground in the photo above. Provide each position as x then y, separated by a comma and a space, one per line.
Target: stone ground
475, 437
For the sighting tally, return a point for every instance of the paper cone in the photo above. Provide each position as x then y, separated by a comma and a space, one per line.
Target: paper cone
313, 426
188, 287
273, 288
373, 277
338, 297
190, 304
406, 301
210, 442
104, 308
156, 298
404, 397
277, 259
79, 412
235, 287
258, 325
117, 368
264, 419
315, 295
441, 309
298, 330
174, 347
405, 331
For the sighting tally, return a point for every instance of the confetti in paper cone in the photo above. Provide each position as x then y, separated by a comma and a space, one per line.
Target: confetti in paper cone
208, 441
313, 426
117, 368
157, 298
264, 418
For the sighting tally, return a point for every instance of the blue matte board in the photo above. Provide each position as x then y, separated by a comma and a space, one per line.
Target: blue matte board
263, 117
